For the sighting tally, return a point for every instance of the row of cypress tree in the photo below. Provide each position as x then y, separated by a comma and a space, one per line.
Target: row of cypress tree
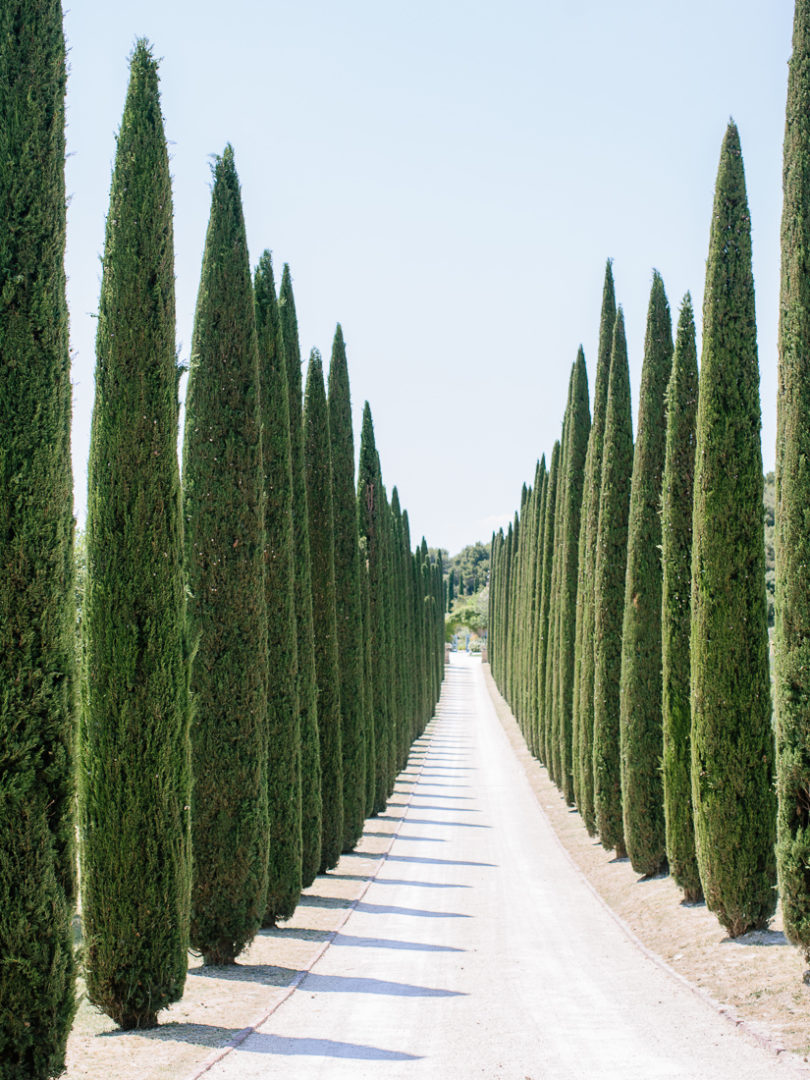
628, 620
260, 644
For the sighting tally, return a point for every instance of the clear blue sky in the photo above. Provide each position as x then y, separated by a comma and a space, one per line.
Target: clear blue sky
446, 179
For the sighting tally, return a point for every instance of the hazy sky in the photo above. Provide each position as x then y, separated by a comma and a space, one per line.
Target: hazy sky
446, 179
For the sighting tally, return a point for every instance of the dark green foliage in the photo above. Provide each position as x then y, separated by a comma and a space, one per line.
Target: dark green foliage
641, 737
578, 430
37, 656
307, 696
368, 685
534, 598
505, 606
676, 559
371, 523
135, 776
589, 518
283, 722
544, 604
609, 575
400, 624
318, 458
348, 598
732, 742
793, 492
388, 669
528, 590
223, 508
514, 607
552, 684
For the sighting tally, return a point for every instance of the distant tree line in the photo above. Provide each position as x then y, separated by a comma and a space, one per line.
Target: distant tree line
466, 573
260, 642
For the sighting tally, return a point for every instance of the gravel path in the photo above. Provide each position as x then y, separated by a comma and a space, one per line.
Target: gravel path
478, 951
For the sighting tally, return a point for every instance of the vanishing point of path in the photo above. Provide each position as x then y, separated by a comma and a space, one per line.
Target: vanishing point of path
478, 951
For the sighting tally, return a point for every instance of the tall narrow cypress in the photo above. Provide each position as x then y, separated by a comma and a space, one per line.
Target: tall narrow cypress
37, 618
676, 559
386, 668
307, 695
370, 505
732, 742
530, 595
609, 577
641, 735
514, 621
417, 616
792, 494
534, 600
544, 585
223, 508
506, 603
135, 776
586, 568
318, 458
348, 599
520, 622
411, 634
283, 721
368, 684
552, 711
579, 426
400, 633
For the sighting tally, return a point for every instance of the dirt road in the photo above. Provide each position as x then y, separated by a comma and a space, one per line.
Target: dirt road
477, 951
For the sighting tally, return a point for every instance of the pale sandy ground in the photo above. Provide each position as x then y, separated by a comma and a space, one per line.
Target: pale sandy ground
477, 950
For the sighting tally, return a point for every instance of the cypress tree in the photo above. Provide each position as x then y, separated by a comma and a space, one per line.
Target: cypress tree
529, 587
421, 601
37, 615
223, 508
318, 458
514, 608
610, 567
534, 633
394, 527
438, 623
732, 743
494, 600
579, 426
676, 559
348, 600
283, 721
529, 682
552, 711
307, 697
386, 639
451, 590
368, 684
505, 605
400, 633
371, 524
135, 787
641, 735
792, 484
410, 644
544, 581
586, 567
520, 667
